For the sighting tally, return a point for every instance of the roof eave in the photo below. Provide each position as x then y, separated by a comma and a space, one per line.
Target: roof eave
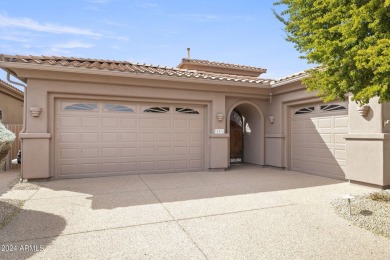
44, 67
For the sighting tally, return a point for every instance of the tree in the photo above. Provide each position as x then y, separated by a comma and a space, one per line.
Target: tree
350, 39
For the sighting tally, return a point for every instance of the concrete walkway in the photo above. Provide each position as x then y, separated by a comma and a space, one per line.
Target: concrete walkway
245, 213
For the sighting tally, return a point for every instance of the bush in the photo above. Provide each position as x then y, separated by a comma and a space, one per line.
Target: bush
6, 140
380, 196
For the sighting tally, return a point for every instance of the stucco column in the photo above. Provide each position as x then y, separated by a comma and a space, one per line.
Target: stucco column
368, 145
36, 139
218, 138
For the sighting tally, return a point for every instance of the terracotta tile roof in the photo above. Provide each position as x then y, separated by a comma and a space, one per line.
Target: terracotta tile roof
11, 88
292, 77
222, 64
127, 67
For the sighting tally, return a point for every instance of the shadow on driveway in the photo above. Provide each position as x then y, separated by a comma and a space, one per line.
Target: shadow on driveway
18, 238
133, 190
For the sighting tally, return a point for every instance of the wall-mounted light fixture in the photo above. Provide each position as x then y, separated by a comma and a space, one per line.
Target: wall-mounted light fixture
363, 110
220, 116
35, 111
271, 119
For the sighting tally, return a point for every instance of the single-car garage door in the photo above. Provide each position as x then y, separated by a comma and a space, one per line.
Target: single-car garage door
317, 139
95, 138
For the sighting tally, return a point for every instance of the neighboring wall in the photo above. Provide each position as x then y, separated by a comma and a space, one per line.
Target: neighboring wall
11, 108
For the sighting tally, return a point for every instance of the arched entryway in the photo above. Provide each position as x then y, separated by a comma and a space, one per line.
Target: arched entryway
246, 129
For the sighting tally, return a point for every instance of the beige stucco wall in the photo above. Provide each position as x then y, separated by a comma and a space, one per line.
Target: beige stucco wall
12, 109
277, 138
368, 149
271, 148
40, 131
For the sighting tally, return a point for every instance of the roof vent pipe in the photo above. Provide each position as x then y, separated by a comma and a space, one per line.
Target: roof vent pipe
188, 53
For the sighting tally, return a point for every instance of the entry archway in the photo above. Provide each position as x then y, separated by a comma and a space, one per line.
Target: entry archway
252, 132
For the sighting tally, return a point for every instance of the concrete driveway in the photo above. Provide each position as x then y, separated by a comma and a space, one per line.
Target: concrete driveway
247, 212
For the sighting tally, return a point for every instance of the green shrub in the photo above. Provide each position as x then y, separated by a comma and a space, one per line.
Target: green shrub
6, 140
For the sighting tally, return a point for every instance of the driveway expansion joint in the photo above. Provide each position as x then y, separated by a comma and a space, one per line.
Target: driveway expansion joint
174, 220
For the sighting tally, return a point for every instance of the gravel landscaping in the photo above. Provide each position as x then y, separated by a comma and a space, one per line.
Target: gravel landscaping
16, 185
8, 209
371, 211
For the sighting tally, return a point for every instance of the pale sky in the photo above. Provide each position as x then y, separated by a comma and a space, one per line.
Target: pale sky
153, 32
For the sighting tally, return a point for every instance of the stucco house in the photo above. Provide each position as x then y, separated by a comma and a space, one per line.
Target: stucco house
91, 118
11, 104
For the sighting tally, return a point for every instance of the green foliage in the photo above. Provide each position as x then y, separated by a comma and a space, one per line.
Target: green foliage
351, 41
6, 140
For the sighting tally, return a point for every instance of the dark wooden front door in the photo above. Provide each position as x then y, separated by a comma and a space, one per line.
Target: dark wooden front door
236, 138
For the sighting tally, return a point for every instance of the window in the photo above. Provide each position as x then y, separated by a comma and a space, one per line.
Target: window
157, 110
305, 110
187, 110
117, 108
85, 107
332, 108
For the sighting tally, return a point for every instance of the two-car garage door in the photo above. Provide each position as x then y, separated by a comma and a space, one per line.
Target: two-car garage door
317, 139
95, 138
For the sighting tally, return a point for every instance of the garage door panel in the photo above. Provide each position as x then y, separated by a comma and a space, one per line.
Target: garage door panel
180, 124
129, 167
325, 154
90, 137
164, 137
89, 168
340, 154
128, 141
146, 137
341, 122
90, 153
108, 152
180, 151
68, 121
180, 137
110, 122
164, 165
146, 151
129, 123
90, 122
320, 134
164, 123
180, 164
129, 137
310, 123
326, 137
164, 151
111, 167
197, 151
69, 169
196, 123
146, 123
311, 138
147, 165
196, 164
69, 153
109, 137
129, 151
339, 138
324, 123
